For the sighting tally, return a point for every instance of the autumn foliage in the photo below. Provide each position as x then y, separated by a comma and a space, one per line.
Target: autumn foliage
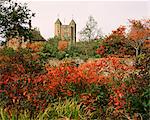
139, 33
139, 29
123, 41
107, 87
62, 45
22, 88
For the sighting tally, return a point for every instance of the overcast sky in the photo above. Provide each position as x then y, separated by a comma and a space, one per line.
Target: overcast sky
108, 14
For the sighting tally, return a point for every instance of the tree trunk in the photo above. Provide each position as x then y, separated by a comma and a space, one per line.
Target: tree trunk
89, 38
137, 51
136, 57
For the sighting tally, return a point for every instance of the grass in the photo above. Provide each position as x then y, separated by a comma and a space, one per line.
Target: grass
65, 110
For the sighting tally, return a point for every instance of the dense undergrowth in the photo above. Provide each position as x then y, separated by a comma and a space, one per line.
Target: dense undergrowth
113, 86
105, 88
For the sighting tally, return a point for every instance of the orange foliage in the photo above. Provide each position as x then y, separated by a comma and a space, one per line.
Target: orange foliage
139, 30
147, 43
118, 33
62, 45
36, 46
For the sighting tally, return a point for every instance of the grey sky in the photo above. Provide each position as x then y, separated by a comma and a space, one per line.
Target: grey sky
108, 14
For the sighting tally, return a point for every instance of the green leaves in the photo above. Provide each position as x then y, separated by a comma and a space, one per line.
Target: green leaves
14, 19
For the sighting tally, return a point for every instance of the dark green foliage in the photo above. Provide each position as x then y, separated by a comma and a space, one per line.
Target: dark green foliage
36, 35
49, 49
140, 103
83, 50
15, 19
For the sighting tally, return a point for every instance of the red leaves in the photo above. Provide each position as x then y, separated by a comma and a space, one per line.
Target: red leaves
102, 72
118, 99
56, 81
119, 33
20, 68
101, 50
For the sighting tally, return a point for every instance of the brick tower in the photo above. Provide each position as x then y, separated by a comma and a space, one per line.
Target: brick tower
66, 32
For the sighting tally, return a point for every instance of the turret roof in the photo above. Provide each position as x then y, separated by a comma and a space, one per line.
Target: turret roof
72, 22
58, 21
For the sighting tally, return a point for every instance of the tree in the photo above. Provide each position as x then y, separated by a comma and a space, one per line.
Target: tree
90, 31
36, 35
2, 1
139, 32
114, 43
15, 20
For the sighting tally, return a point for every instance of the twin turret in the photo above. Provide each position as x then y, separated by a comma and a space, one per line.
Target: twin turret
66, 32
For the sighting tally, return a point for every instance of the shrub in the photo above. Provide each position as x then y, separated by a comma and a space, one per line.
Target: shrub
60, 49
27, 84
116, 44
7, 51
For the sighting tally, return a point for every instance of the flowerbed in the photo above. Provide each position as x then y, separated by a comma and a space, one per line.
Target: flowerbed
102, 88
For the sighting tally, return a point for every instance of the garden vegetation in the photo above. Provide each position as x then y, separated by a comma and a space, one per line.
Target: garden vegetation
110, 80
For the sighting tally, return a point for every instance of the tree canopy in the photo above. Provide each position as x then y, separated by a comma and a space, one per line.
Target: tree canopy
15, 19
91, 30
36, 35
139, 32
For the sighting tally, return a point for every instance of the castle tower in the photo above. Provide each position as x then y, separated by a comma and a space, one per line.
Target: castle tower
58, 28
73, 31
66, 32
